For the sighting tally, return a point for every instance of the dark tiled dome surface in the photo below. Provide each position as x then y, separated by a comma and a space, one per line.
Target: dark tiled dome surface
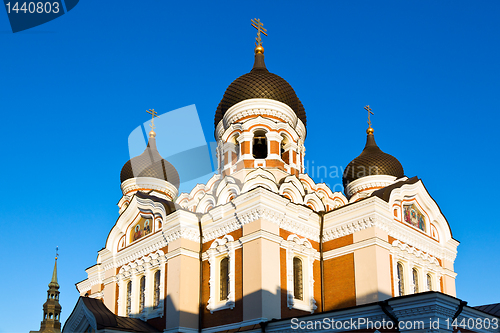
260, 83
372, 161
150, 164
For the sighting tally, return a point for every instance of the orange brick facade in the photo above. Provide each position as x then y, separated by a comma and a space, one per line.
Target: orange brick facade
340, 290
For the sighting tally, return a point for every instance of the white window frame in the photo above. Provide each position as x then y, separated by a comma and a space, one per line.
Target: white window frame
419, 280
406, 285
146, 266
301, 248
146, 295
221, 248
411, 258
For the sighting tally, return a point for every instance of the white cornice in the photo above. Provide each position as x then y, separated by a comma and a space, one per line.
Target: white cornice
182, 252
259, 107
369, 182
138, 183
261, 234
375, 212
356, 246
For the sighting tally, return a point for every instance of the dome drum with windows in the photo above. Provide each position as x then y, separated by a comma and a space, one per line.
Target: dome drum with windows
260, 122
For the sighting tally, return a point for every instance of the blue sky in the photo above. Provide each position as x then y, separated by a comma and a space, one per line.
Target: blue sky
72, 91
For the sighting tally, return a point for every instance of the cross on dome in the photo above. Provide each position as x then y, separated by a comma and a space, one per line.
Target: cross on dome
370, 129
153, 114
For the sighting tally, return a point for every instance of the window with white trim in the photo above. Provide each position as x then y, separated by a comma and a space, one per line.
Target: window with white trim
415, 280
259, 148
298, 279
429, 282
156, 291
224, 278
401, 279
300, 256
221, 258
142, 294
129, 298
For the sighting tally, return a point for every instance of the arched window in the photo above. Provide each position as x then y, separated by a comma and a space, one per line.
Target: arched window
224, 279
259, 145
142, 294
415, 280
50, 315
129, 298
298, 285
401, 283
429, 282
156, 302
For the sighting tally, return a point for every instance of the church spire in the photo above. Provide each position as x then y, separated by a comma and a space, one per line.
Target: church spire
53, 282
51, 308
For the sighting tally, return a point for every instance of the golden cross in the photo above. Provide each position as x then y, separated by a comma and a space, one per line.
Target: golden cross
367, 108
257, 24
153, 114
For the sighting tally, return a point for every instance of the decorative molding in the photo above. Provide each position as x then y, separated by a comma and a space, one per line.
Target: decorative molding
262, 213
349, 228
302, 248
140, 266
97, 295
413, 251
221, 248
257, 107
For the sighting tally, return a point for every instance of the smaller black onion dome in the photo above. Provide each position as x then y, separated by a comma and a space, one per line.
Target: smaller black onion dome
372, 161
150, 164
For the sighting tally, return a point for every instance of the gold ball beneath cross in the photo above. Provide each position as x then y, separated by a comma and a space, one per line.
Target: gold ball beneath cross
259, 49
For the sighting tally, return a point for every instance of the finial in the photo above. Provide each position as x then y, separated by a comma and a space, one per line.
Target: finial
57, 252
153, 114
257, 24
370, 130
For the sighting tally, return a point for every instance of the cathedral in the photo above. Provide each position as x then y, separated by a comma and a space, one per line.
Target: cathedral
262, 247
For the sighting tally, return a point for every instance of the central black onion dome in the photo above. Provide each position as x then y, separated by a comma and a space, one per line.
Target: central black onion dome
260, 83
372, 161
150, 164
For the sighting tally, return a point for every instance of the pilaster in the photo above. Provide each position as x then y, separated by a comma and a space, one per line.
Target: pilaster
261, 270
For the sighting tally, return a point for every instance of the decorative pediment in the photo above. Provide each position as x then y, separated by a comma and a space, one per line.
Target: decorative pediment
413, 205
144, 215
